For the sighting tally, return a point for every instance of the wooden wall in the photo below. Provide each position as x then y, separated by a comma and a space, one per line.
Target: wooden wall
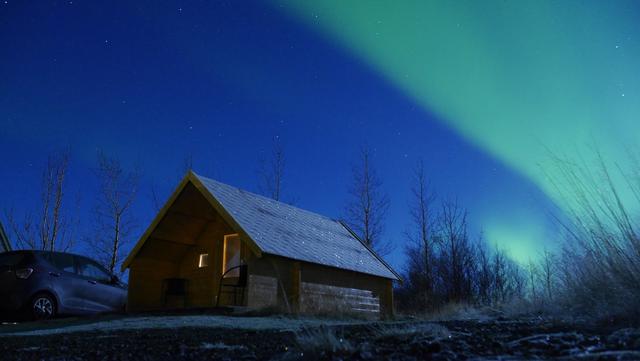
327, 299
145, 283
316, 289
350, 291
262, 292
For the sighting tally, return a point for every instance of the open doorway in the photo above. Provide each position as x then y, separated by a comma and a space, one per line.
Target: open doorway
233, 282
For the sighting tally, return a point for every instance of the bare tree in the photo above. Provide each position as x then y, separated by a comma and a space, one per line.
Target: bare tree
421, 235
155, 198
187, 164
366, 211
114, 223
533, 279
500, 276
271, 172
5, 245
453, 233
50, 229
484, 277
547, 269
157, 195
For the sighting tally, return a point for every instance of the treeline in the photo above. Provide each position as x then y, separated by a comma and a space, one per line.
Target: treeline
445, 264
54, 223
101, 223
597, 271
593, 273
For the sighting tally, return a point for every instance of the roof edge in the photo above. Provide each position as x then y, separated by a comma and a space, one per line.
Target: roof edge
213, 201
193, 178
398, 278
159, 216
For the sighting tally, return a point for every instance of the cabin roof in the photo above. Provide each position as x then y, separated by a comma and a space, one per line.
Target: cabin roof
281, 229
284, 230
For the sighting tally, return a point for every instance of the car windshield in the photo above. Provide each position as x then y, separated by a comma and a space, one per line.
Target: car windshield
11, 259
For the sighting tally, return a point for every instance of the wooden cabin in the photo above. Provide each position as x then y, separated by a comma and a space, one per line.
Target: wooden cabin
216, 245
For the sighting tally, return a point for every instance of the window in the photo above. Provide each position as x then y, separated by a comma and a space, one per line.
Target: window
91, 270
231, 255
62, 261
204, 260
11, 259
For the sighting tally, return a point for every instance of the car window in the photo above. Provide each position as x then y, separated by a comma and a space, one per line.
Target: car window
91, 270
62, 261
10, 259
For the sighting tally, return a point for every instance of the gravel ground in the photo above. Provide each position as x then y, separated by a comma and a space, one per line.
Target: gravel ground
213, 337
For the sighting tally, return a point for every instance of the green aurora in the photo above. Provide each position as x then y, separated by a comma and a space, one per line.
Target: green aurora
515, 78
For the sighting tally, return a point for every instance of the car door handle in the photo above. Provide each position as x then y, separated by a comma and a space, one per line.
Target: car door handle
54, 274
92, 282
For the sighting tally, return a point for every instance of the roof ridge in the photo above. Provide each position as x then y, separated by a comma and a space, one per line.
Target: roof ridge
201, 177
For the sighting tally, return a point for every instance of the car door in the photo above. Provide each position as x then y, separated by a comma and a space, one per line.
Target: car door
65, 282
99, 293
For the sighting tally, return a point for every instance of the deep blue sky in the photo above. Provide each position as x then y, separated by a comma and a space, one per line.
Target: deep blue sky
152, 83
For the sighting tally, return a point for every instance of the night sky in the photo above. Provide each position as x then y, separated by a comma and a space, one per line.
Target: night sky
477, 90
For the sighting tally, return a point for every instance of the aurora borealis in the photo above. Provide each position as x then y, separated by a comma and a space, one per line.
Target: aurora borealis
478, 90
518, 79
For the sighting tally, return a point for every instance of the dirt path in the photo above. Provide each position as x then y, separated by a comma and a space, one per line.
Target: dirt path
453, 340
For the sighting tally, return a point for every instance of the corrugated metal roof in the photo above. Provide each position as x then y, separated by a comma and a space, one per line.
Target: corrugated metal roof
284, 230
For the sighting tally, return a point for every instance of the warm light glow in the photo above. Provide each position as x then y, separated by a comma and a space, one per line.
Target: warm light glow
204, 260
231, 255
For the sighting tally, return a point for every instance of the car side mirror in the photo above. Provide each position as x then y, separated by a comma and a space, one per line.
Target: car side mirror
114, 280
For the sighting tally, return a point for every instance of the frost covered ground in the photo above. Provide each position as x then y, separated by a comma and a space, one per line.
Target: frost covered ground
279, 338
165, 322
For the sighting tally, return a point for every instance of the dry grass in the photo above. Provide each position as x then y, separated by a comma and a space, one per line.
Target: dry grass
600, 266
323, 340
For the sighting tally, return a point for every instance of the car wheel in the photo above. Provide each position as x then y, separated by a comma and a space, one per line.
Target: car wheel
43, 307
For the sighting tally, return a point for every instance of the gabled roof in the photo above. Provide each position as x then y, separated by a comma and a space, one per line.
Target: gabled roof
283, 230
